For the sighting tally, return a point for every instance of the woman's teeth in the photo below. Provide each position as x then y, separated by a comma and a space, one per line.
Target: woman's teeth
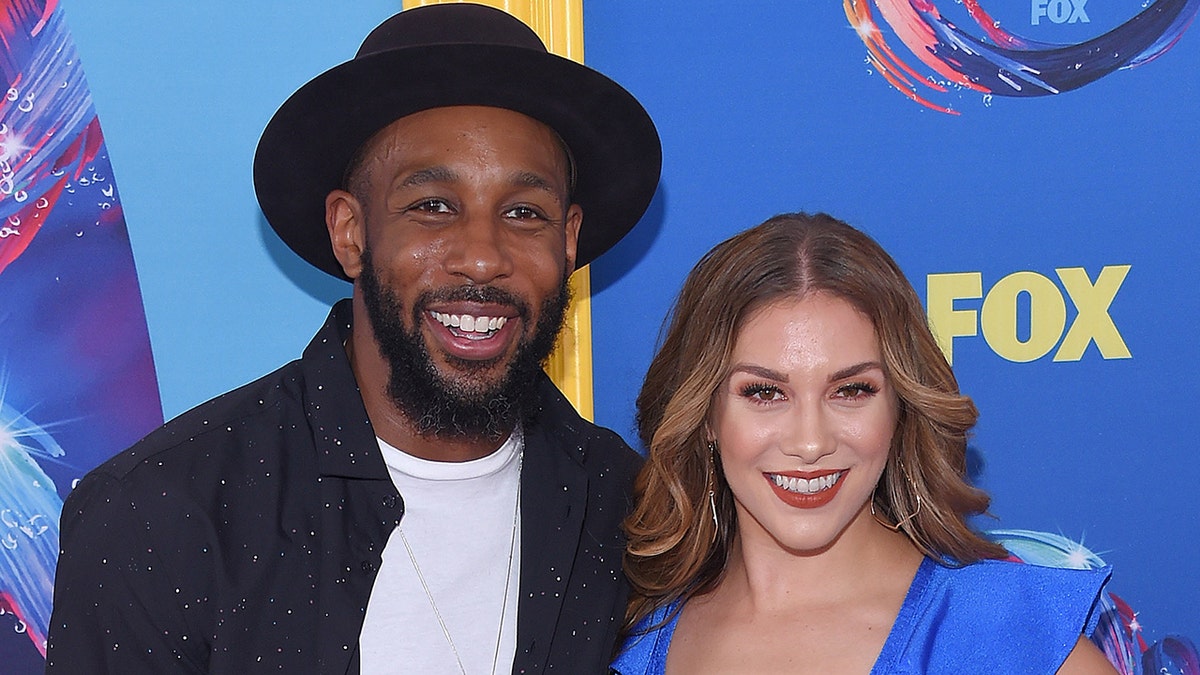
806, 486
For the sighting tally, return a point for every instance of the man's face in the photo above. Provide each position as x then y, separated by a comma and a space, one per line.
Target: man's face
468, 238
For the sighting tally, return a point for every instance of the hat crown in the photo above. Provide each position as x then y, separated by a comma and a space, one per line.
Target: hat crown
459, 23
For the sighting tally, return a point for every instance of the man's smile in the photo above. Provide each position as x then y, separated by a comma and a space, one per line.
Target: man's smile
470, 327
474, 331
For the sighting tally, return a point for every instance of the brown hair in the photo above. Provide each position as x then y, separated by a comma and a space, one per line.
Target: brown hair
674, 548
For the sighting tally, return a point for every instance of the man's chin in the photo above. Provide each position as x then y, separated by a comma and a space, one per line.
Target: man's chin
463, 405
474, 390
467, 374
474, 385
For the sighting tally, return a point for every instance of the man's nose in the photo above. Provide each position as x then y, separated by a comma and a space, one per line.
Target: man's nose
479, 250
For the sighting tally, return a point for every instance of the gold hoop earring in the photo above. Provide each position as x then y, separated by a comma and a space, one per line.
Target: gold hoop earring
917, 495
900, 523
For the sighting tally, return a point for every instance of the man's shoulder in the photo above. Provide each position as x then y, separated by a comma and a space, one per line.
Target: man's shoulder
220, 422
272, 405
593, 444
607, 446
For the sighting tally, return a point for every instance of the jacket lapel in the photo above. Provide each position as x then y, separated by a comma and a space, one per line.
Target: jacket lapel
554, 490
357, 506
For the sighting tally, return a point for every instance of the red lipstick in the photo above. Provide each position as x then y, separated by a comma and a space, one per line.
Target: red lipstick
807, 499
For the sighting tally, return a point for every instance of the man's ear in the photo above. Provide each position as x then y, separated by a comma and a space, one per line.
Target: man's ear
347, 230
573, 223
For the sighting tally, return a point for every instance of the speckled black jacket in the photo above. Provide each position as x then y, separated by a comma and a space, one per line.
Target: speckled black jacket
244, 535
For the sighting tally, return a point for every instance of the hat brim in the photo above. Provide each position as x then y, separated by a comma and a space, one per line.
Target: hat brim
305, 148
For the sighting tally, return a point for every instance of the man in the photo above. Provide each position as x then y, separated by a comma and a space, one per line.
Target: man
413, 494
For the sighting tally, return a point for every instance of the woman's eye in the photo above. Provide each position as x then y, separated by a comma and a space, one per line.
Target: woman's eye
762, 392
856, 390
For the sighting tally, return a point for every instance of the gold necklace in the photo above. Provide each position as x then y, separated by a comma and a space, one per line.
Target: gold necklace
512, 547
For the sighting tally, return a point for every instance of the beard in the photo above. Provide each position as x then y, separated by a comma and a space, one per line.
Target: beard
471, 406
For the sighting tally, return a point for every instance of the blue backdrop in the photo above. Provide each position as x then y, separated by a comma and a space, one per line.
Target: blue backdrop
770, 107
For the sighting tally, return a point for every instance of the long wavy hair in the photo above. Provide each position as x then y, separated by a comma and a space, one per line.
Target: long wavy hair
674, 548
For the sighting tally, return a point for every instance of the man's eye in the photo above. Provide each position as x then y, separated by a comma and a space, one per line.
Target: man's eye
523, 213
432, 206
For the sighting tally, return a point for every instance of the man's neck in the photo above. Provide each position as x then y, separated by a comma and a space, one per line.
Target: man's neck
395, 428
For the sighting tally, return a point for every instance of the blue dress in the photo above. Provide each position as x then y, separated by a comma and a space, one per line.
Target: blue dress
992, 616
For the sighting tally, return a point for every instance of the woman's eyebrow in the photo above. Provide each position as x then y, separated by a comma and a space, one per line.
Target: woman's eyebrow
856, 369
760, 371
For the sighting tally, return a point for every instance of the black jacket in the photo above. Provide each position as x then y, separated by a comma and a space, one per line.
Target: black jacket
244, 536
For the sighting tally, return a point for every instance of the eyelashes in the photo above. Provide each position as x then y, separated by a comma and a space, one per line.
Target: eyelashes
766, 392
431, 205
857, 390
761, 392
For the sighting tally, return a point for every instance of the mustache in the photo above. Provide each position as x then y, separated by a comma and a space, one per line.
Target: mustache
482, 294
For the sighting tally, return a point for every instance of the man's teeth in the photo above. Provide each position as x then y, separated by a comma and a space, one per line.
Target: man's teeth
806, 486
471, 324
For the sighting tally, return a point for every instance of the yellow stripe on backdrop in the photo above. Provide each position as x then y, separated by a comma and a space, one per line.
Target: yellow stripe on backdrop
560, 25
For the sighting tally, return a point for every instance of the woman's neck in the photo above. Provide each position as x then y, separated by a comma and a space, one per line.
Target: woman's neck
866, 559
778, 610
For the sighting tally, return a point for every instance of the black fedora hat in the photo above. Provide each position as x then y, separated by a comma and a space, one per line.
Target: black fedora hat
446, 55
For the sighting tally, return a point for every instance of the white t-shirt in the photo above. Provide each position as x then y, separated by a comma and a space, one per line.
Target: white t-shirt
462, 521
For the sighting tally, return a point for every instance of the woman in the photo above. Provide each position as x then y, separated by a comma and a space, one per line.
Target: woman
803, 504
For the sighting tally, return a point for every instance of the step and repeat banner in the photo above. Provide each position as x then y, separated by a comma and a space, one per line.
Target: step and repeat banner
77, 382
1033, 167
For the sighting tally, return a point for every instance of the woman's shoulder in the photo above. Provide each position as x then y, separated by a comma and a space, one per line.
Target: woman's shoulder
996, 614
644, 651
1003, 592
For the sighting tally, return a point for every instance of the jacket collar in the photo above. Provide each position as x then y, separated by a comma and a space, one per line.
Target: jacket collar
342, 433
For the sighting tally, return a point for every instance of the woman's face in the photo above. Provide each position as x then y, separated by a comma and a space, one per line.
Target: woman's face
804, 421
